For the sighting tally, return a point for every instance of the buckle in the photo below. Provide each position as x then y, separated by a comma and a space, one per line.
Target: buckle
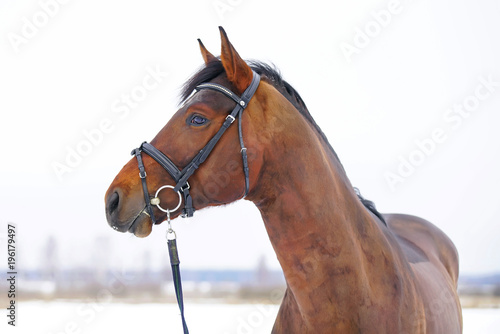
231, 117
186, 186
141, 175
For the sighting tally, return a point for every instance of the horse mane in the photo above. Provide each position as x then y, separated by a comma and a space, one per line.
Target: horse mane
269, 72
273, 76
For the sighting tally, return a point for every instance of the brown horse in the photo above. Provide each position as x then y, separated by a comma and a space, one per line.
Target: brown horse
348, 268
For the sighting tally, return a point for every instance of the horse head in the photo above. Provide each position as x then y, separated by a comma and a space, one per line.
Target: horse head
221, 179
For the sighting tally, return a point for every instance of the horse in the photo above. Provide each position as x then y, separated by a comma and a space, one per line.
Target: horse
348, 268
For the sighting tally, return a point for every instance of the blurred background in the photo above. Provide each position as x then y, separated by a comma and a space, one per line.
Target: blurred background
408, 93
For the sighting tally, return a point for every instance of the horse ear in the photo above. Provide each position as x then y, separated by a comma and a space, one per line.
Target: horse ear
207, 56
237, 70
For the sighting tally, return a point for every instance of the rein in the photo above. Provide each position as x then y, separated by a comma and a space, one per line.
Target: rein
181, 176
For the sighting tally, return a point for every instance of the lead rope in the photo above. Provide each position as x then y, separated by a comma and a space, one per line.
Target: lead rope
176, 274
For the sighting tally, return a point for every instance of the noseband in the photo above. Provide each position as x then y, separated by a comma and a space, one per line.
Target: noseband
181, 176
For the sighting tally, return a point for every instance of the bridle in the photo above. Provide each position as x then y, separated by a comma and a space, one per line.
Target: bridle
181, 176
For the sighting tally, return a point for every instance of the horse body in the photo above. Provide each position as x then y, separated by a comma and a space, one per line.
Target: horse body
346, 270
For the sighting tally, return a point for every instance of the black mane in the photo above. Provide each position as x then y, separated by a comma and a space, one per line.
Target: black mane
271, 74
274, 77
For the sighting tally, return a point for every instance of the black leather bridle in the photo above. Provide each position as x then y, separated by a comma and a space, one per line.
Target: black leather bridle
181, 176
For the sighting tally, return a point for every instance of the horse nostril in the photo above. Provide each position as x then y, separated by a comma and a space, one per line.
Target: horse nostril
113, 201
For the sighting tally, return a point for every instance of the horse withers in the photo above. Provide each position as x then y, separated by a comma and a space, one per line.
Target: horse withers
348, 268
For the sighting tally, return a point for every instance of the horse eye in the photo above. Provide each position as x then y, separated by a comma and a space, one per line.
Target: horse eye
198, 120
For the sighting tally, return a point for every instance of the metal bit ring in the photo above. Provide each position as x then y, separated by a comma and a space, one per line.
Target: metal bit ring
156, 199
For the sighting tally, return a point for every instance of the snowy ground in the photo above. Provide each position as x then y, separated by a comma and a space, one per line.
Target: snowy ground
88, 318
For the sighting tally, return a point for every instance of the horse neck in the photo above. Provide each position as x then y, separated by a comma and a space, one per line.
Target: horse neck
316, 224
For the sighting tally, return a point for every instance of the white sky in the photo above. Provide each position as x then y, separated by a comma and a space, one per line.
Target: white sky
65, 79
